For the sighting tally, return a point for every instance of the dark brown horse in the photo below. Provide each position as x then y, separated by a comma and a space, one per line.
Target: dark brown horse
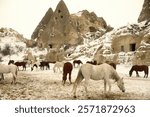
44, 64
67, 69
18, 64
95, 63
111, 64
140, 68
77, 62
92, 62
23, 64
11, 62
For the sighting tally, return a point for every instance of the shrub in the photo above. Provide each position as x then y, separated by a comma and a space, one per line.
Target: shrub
6, 50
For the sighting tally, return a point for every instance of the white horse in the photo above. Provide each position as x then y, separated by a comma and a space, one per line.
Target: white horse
59, 66
9, 69
98, 72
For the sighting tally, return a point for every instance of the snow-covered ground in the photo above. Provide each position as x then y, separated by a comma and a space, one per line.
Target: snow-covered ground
46, 84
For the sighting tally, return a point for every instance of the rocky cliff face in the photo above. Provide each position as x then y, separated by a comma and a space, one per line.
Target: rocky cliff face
86, 21
145, 13
59, 29
64, 28
42, 23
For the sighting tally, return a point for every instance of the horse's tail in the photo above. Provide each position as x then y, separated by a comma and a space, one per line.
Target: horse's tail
54, 68
16, 71
78, 79
79, 76
147, 71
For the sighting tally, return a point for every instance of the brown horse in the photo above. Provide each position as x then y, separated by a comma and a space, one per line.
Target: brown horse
112, 64
67, 69
77, 62
44, 64
140, 68
23, 64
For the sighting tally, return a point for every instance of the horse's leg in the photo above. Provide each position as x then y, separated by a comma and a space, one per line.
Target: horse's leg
2, 76
137, 74
14, 78
146, 74
54, 69
64, 78
24, 67
76, 83
31, 68
104, 86
70, 78
109, 84
18, 68
59, 69
85, 86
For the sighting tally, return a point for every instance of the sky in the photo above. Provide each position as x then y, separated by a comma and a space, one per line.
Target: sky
24, 15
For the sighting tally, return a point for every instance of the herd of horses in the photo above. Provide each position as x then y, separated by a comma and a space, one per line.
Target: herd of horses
87, 71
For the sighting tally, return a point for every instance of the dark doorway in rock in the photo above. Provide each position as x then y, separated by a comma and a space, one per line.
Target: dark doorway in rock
132, 47
50, 46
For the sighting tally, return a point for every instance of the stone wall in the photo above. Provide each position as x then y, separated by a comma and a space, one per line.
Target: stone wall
122, 43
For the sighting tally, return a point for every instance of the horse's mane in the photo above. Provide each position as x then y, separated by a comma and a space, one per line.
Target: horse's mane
115, 76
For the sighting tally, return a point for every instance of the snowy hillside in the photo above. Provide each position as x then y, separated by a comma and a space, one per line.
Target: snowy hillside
9, 40
11, 43
130, 29
91, 44
13, 46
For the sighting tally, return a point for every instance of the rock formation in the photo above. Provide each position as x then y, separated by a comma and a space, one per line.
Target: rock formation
145, 13
42, 23
65, 29
85, 21
59, 29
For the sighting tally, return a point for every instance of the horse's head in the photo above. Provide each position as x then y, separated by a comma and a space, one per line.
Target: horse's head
130, 73
120, 84
11, 62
